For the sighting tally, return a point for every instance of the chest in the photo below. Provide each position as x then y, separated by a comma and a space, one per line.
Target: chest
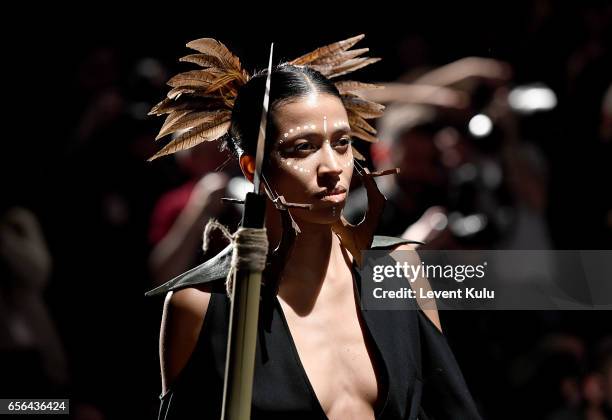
337, 356
315, 364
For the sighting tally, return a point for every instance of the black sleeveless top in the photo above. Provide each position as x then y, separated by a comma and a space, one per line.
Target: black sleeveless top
420, 376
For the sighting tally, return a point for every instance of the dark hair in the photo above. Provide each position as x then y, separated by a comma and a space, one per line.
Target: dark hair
288, 82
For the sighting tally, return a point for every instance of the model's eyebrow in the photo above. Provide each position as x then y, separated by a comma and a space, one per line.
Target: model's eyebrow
307, 133
298, 129
342, 129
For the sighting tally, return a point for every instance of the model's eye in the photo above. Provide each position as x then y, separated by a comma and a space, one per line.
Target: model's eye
342, 143
304, 147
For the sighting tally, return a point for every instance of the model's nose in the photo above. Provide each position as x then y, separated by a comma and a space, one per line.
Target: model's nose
329, 164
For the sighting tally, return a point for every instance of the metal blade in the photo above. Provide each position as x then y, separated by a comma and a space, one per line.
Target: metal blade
261, 138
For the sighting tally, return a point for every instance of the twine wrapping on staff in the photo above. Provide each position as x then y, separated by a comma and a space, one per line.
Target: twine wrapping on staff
249, 249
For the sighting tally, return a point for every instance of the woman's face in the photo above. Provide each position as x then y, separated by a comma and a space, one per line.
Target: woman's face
311, 160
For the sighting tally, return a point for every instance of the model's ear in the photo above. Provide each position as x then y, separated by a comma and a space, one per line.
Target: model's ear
247, 164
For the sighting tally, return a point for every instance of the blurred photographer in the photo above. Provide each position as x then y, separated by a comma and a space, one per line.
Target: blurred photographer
466, 177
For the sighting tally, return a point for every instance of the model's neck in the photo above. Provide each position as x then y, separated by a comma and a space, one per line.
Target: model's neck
316, 252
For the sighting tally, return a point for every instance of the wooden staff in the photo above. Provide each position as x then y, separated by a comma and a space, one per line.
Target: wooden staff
242, 335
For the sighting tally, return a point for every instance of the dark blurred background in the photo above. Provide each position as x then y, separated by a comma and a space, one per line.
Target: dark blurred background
83, 213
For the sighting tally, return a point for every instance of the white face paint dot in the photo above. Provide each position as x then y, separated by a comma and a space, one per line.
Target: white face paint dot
294, 166
291, 130
313, 126
286, 135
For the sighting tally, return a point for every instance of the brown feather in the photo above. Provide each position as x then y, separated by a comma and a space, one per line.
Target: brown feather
176, 92
351, 86
357, 132
205, 132
224, 81
339, 57
215, 48
193, 102
356, 121
364, 108
187, 120
172, 117
195, 78
327, 50
356, 154
159, 107
203, 60
349, 66
166, 106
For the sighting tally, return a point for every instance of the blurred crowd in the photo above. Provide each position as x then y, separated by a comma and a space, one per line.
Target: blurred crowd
502, 152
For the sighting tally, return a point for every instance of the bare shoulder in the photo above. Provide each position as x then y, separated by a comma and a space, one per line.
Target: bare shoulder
182, 319
407, 253
406, 247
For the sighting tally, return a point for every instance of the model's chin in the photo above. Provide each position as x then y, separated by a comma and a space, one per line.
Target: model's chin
322, 212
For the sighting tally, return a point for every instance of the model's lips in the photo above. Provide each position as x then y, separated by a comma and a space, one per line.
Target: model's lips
336, 193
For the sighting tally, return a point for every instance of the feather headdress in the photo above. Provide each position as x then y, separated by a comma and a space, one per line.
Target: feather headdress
200, 103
